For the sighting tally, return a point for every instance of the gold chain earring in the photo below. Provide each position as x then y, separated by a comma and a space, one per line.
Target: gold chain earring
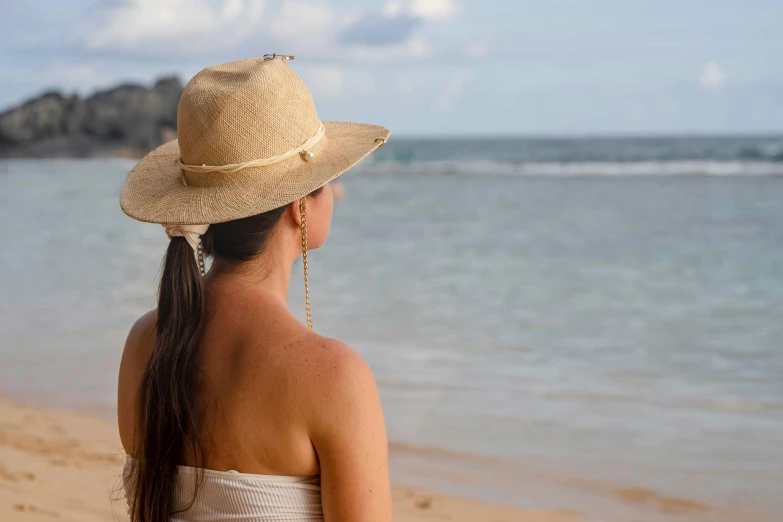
303, 214
200, 258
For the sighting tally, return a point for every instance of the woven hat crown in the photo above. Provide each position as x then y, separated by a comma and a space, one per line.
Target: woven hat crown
241, 111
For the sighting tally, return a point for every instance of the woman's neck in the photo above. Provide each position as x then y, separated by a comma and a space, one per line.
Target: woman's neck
270, 272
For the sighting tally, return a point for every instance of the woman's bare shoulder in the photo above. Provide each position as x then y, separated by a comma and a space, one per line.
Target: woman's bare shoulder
140, 340
138, 347
331, 363
143, 330
339, 380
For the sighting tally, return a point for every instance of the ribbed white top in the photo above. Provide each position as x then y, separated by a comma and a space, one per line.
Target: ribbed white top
244, 497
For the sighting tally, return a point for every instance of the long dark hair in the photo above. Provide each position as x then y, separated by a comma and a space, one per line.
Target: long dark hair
167, 411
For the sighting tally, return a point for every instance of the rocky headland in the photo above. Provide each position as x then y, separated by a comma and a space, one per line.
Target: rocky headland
127, 120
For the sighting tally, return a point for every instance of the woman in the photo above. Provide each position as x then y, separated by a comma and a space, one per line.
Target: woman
229, 408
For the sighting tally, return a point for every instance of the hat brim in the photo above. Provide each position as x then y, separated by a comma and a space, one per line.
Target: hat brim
154, 191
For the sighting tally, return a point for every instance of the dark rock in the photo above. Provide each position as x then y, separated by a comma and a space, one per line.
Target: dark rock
128, 119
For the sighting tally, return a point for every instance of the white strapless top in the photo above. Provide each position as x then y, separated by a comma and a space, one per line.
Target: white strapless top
243, 497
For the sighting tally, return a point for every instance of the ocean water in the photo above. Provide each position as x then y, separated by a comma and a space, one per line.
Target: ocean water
586, 324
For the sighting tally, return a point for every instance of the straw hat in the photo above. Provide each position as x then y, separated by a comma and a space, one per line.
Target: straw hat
249, 140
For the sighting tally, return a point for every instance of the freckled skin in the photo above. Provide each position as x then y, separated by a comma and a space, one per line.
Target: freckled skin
278, 398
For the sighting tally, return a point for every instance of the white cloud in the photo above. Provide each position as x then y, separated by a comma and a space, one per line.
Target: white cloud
395, 22
415, 49
393, 8
223, 30
349, 17
232, 28
712, 76
421, 9
188, 24
323, 79
340, 83
432, 9
311, 26
305, 23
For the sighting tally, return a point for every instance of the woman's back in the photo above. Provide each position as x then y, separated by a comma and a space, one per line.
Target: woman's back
253, 392
271, 392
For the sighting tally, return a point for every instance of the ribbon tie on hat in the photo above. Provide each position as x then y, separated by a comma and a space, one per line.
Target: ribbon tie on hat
192, 233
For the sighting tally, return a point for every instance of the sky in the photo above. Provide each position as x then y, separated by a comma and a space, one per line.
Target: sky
433, 67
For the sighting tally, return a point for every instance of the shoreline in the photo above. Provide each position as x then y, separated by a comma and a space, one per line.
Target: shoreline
66, 465
43, 436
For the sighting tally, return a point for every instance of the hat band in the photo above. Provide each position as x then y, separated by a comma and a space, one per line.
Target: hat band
262, 162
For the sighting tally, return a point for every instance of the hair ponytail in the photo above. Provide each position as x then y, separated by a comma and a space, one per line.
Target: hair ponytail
166, 409
167, 420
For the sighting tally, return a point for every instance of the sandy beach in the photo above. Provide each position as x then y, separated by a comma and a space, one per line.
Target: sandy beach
59, 465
